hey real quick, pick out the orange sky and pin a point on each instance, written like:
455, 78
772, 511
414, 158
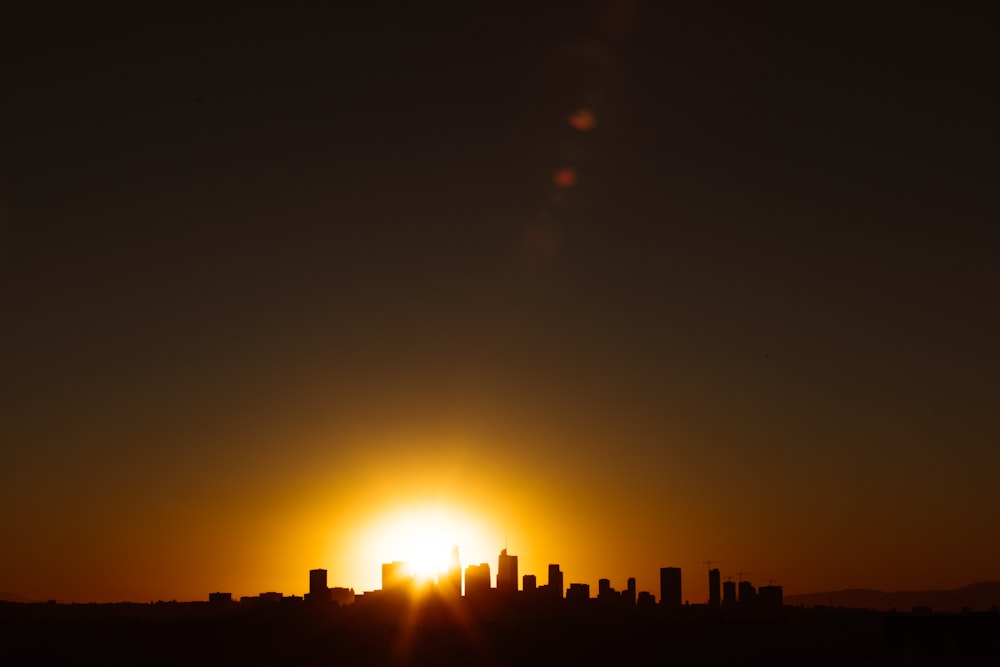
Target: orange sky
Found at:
266, 512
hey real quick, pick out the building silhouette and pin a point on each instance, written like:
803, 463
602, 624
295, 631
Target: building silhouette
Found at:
450, 583
714, 587
555, 586
604, 590
728, 593
670, 587
318, 589
507, 573
578, 593
530, 583
628, 595
771, 596
341, 596
748, 594
477, 581
396, 576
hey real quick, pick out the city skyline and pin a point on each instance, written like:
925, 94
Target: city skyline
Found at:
476, 581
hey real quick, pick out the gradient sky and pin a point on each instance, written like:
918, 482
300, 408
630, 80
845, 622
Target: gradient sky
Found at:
269, 278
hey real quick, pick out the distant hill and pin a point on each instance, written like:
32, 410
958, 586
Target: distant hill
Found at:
11, 597
978, 597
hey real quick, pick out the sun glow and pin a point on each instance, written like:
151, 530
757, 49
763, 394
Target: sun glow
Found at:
424, 537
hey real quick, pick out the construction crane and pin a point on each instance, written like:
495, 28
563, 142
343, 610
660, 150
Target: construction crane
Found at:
740, 574
709, 563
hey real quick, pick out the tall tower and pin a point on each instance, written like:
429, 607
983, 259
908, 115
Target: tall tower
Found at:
714, 587
477, 581
555, 581
451, 583
670, 587
728, 592
507, 573
317, 585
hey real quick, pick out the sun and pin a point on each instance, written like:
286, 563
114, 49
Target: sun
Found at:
425, 537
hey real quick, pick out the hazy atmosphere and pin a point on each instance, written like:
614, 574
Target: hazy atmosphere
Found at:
617, 285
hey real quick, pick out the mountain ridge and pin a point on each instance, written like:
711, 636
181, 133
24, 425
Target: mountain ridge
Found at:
978, 596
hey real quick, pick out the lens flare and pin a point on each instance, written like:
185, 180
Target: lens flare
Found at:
564, 178
583, 120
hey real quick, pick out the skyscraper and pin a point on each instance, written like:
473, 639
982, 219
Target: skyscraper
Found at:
714, 587
748, 594
477, 581
507, 573
451, 583
628, 595
555, 581
395, 576
728, 592
670, 587
318, 589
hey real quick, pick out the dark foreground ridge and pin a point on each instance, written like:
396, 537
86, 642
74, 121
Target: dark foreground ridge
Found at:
438, 630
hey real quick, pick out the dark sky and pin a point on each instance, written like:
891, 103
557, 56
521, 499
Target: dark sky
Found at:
770, 291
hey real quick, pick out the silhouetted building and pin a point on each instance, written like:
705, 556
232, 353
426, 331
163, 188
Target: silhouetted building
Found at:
555, 586
450, 582
477, 580
628, 595
578, 593
530, 583
317, 581
318, 590
270, 596
670, 587
342, 596
714, 587
507, 573
771, 596
645, 600
396, 576
220, 598
748, 594
728, 593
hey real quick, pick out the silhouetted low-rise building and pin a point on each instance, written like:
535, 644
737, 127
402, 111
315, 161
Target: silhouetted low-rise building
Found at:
645, 600
341, 596
770, 596
578, 593
220, 598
